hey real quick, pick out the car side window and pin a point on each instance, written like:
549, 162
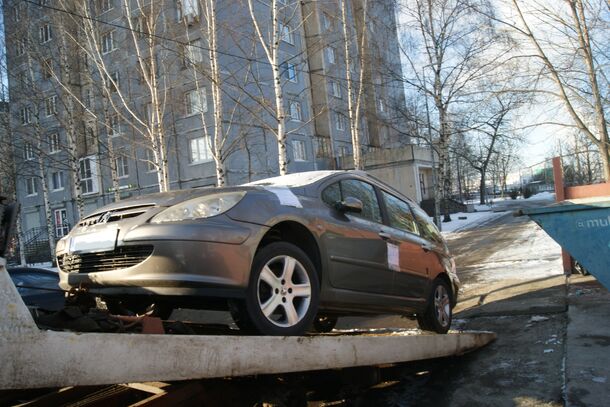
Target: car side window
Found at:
427, 229
332, 194
366, 194
399, 214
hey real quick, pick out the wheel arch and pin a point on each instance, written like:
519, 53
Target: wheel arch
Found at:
445, 277
299, 235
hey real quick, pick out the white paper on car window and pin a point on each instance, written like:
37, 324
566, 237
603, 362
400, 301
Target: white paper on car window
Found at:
393, 257
286, 197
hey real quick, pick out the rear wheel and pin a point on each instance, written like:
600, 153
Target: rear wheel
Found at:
438, 314
282, 296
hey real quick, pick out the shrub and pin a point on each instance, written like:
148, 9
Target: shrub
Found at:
514, 193
527, 192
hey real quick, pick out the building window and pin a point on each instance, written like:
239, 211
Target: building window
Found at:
16, 13
21, 46
54, 146
340, 121
336, 89
327, 21
286, 33
108, 42
193, 53
26, 115
188, 10
113, 81
61, 223
200, 150
330, 55
295, 111
47, 68
88, 98
28, 151
299, 150
381, 105
106, 5
31, 187
87, 175
57, 180
384, 135
114, 127
50, 105
289, 71
196, 102
343, 151
150, 160
122, 166
45, 33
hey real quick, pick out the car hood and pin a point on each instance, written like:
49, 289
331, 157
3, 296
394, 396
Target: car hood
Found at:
165, 199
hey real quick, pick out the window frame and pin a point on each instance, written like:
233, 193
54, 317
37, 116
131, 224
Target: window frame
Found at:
200, 158
190, 105
121, 163
104, 46
30, 184
92, 175
44, 33
50, 106
54, 143
299, 153
57, 183
298, 110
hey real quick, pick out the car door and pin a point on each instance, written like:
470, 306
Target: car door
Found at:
412, 268
435, 249
356, 252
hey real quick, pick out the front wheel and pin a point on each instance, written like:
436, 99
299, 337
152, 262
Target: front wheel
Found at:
282, 296
438, 314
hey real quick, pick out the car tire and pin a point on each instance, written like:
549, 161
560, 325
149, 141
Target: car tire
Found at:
324, 323
438, 314
282, 295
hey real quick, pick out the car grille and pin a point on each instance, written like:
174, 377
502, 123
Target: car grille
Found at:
115, 215
122, 257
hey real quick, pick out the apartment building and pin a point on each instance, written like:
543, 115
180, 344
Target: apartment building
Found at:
83, 106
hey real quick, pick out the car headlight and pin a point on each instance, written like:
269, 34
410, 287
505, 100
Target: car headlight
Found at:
203, 207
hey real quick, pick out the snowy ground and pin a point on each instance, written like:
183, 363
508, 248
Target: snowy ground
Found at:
487, 213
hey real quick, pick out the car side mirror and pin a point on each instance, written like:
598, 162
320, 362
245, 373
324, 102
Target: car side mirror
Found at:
350, 204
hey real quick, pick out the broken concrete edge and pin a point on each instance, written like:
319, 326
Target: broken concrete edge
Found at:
32, 358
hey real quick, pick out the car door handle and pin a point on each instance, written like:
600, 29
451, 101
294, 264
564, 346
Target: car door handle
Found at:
385, 236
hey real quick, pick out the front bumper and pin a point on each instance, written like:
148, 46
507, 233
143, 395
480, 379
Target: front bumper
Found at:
208, 258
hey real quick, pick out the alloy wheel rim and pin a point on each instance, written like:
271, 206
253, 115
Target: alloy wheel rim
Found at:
442, 306
284, 291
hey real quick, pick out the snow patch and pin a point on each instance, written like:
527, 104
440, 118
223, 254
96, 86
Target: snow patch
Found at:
297, 179
542, 196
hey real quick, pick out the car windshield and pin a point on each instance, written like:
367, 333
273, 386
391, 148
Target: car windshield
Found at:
298, 179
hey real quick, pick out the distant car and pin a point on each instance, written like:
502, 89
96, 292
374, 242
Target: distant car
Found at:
38, 287
282, 254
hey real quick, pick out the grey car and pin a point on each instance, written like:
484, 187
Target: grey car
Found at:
284, 255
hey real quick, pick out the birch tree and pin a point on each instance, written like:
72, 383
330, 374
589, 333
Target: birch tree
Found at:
573, 55
456, 44
489, 129
145, 21
270, 42
355, 87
